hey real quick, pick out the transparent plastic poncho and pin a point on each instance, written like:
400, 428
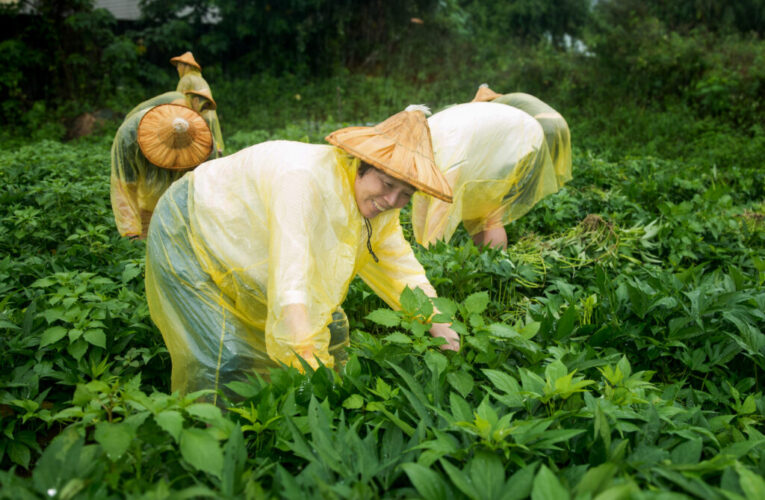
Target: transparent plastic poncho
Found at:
496, 159
556, 130
192, 80
136, 184
241, 238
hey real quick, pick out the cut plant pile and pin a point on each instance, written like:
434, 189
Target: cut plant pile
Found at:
616, 350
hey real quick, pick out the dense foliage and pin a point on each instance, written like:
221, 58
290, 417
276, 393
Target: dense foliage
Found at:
615, 349
59, 58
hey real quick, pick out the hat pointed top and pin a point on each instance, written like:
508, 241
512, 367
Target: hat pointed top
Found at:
204, 93
185, 58
485, 94
401, 147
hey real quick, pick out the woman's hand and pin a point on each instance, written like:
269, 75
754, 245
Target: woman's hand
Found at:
296, 317
444, 331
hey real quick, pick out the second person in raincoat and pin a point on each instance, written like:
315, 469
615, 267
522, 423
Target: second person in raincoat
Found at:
157, 143
497, 161
250, 256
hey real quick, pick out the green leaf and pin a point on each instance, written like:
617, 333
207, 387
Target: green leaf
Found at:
476, 303
547, 487
52, 335
555, 371
460, 479
429, 483
96, 337
530, 329
752, 484
205, 411
461, 410
520, 484
130, 272
77, 349
115, 439
53, 314
384, 317
244, 389
487, 473
596, 479
398, 338
503, 381
170, 421
74, 334
353, 402
8, 325
639, 299
566, 323
436, 362
409, 302
462, 381
19, 454
202, 451
688, 452
531, 382
748, 406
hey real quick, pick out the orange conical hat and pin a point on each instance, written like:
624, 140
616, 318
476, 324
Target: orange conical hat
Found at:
186, 58
203, 93
174, 137
399, 146
485, 94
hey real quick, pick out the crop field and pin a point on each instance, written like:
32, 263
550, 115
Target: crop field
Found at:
614, 351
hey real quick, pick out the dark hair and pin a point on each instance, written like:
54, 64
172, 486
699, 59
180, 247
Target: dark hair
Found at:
364, 168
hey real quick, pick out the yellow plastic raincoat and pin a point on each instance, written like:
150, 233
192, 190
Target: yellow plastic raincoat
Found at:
556, 130
136, 184
496, 160
241, 237
192, 80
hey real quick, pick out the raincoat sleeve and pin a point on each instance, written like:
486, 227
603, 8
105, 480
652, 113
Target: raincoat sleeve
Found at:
397, 266
297, 321
211, 117
124, 189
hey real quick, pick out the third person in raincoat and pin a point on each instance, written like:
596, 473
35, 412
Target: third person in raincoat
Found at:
190, 78
497, 160
249, 257
175, 139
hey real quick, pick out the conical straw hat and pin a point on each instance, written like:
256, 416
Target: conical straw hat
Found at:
174, 137
485, 94
401, 147
205, 94
185, 58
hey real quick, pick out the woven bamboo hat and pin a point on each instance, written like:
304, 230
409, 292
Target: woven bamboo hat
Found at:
205, 94
485, 94
185, 58
174, 137
399, 146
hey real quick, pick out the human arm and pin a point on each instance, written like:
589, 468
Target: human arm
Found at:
398, 268
296, 324
124, 188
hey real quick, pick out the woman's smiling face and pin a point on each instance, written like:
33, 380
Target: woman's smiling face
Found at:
377, 192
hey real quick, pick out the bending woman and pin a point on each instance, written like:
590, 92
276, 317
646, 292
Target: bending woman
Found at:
251, 255
497, 162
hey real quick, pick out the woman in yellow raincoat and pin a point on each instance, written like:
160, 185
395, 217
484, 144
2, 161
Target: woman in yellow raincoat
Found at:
556, 129
250, 256
190, 78
498, 163
139, 177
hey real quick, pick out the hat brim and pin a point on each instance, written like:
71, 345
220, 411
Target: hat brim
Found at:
416, 183
157, 139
